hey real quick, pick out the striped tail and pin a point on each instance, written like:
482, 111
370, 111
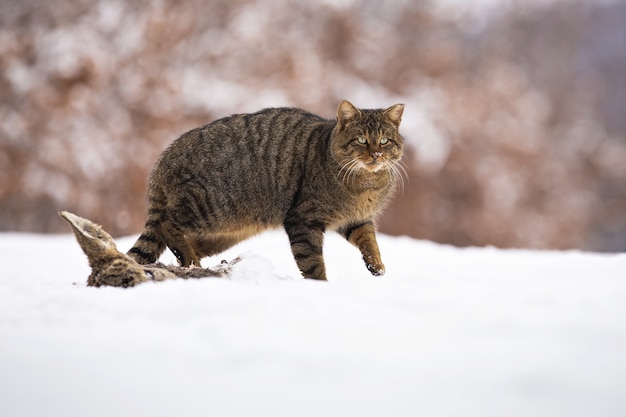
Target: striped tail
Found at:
149, 246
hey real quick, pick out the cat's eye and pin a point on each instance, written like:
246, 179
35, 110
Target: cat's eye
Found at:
361, 140
384, 141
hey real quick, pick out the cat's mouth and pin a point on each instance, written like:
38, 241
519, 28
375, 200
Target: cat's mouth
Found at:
373, 166
352, 167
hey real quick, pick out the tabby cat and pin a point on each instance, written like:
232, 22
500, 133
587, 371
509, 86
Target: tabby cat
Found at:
233, 178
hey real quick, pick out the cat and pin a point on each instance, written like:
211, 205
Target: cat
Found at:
222, 183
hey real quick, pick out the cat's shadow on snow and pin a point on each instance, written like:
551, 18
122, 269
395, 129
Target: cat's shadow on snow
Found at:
111, 267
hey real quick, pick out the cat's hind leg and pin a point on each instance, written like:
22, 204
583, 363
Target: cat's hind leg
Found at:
175, 240
363, 236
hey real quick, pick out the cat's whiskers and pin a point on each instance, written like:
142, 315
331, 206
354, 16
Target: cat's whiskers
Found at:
354, 167
398, 172
402, 165
349, 167
397, 176
342, 168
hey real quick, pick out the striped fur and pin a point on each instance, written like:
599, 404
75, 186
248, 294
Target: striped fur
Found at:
231, 179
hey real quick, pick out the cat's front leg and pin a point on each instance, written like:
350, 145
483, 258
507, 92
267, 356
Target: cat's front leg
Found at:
306, 245
363, 236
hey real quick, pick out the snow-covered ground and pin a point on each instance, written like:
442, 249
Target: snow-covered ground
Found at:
447, 332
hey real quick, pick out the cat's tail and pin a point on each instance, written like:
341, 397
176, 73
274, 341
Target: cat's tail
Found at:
149, 246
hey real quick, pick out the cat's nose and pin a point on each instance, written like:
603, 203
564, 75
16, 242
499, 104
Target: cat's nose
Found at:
376, 154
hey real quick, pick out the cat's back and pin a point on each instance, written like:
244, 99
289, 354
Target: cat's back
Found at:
248, 157
257, 133
280, 136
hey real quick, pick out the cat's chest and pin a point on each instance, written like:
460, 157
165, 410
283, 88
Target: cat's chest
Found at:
337, 203
359, 207
366, 203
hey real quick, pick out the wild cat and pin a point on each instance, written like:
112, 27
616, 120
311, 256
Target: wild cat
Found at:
222, 183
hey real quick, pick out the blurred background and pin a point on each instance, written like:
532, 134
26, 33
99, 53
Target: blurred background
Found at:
515, 111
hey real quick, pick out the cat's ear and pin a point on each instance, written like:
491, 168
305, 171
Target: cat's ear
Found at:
394, 113
345, 112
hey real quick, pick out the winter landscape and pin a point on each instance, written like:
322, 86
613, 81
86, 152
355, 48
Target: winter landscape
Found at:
446, 332
516, 138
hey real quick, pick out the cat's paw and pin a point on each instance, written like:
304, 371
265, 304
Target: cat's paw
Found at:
376, 270
375, 266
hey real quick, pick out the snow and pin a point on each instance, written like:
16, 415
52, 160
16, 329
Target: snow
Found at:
447, 332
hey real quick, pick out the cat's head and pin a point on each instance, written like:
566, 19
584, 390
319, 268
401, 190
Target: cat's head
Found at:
367, 140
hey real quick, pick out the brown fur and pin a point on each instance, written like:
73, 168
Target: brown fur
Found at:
231, 179
111, 267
